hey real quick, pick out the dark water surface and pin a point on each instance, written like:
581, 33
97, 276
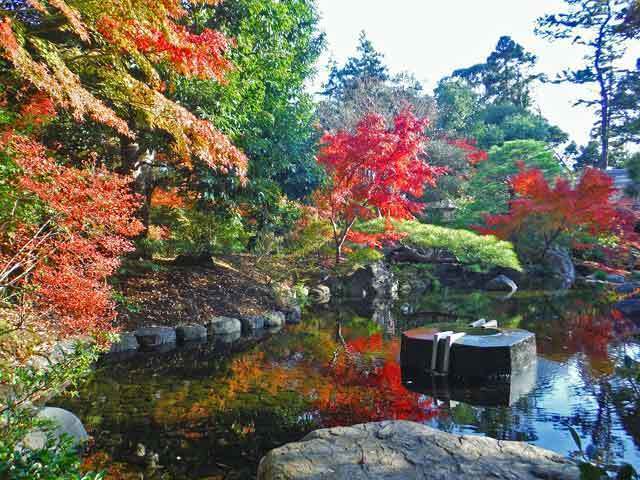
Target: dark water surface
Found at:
212, 411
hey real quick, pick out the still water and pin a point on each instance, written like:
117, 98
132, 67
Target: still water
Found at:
211, 411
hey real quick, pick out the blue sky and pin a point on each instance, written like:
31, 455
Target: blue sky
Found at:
431, 38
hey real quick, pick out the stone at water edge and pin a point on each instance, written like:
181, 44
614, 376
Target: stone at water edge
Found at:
127, 342
224, 326
294, 315
396, 450
191, 333
252, 322
152, 337
274, 319
64, 422
613, 278
502, 283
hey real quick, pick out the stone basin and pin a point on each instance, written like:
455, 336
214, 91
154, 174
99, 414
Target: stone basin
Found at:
480, 353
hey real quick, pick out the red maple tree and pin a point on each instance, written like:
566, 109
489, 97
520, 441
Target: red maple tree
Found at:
547, 212
376, 171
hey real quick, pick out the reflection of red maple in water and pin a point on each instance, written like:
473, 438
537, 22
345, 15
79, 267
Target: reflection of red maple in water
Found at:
367, 386
592, 333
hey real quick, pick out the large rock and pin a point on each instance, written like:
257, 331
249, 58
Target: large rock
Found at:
405, 450
64, 422
224, 326
559, 262
153, 337
373, 281
191, 332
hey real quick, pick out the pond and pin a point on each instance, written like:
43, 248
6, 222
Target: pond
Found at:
211, 411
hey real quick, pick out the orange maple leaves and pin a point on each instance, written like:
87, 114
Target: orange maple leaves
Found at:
88, 215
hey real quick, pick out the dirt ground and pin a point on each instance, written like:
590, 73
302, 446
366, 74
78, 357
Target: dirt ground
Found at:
168, 294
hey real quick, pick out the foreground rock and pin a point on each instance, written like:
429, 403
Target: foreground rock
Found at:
407, 450
63, 422
127, 342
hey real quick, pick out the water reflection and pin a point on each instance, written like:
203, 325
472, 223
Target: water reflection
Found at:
213, 410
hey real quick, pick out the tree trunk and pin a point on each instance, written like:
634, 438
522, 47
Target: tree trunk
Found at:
139, 165
604, 94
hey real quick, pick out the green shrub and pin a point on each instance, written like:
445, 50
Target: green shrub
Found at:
475, 252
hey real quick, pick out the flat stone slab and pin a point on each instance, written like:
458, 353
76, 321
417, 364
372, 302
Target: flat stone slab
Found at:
152, 337
487, 353
224, 326
399, 450
191, 333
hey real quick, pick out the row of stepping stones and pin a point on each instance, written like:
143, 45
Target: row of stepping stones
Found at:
216, 327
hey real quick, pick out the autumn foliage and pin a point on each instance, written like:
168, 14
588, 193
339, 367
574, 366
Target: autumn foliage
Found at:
551, 212
374, 171
61, 263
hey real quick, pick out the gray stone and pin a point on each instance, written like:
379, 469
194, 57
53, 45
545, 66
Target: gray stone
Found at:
320, 294
486, 354
127, 342
152, 337
64, 422
399, 450
224, 326
253, 322
559, 262
294, 315
274, 319
502, 283
191, 333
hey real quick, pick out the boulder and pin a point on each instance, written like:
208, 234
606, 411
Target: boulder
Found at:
274, 319
396, 450
127, 342
64, 422
502, 283
559, 262
320, 294
191, 333
152, 337
294, 315
227, 338
252, 322
373, 281
224, 326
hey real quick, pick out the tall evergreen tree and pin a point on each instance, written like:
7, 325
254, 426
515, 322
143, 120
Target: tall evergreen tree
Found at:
594, 24
368, 65
506, 76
